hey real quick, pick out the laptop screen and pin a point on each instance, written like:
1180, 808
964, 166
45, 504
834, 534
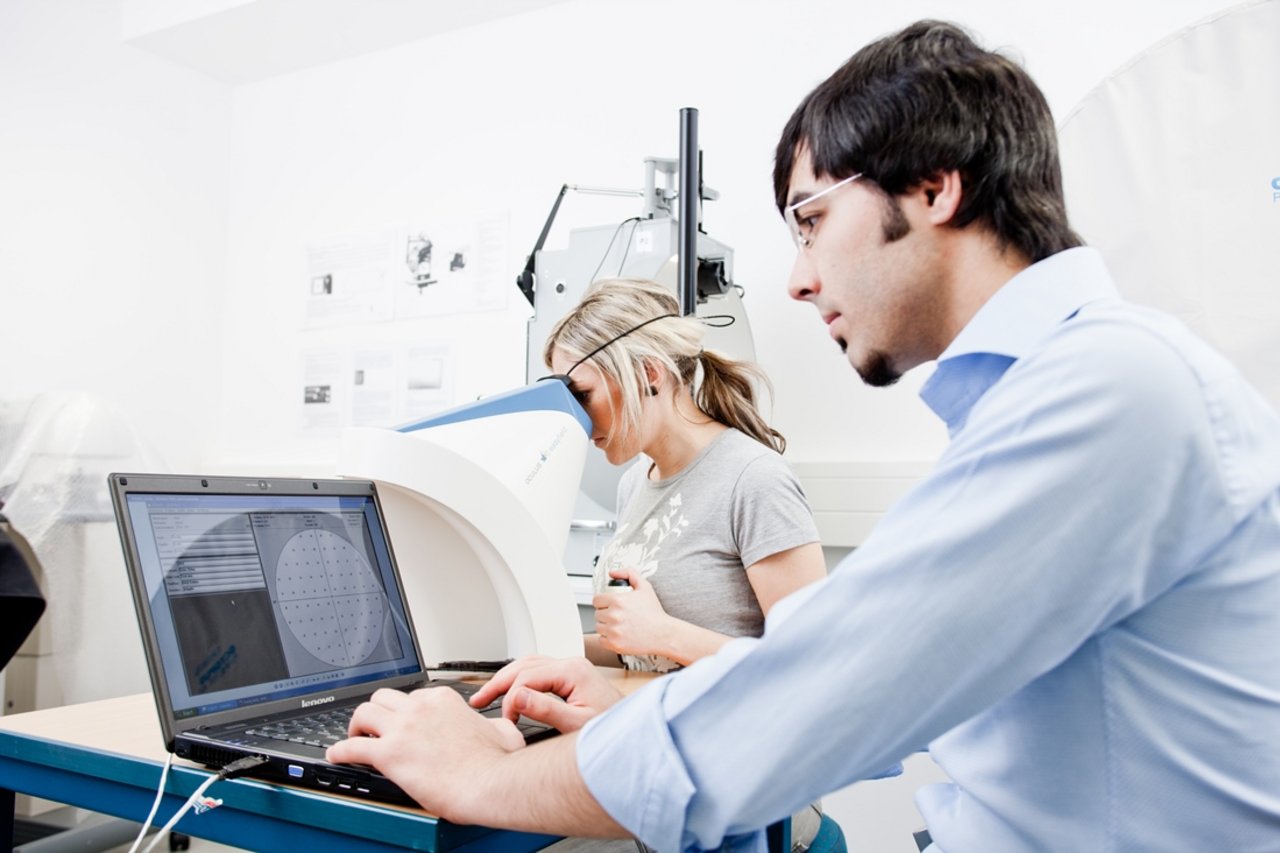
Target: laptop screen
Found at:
256, 598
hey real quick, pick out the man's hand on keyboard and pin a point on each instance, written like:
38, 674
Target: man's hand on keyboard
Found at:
527, 682
419, 740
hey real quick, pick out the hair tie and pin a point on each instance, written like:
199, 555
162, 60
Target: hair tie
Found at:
634, 328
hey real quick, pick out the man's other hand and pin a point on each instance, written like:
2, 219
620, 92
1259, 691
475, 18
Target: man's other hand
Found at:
583, 691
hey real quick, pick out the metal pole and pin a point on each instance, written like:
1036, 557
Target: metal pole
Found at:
690, 189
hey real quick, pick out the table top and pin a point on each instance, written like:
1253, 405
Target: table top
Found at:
128, 724
118, 742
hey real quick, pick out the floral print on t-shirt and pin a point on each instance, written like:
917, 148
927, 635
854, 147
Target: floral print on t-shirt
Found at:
639, 550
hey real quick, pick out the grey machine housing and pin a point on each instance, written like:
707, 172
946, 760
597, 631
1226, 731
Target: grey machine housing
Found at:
646, 247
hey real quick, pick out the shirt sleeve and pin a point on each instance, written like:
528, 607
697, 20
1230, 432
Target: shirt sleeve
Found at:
770, 514
1054, 514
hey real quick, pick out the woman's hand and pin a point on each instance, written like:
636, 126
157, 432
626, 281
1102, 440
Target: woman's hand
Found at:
632, 621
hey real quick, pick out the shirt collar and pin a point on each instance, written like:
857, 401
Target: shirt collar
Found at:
1017, 317
1030, 305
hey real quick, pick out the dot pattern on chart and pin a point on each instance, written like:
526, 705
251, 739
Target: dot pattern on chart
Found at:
330, 597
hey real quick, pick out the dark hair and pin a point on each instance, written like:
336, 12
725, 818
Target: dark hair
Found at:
927, 100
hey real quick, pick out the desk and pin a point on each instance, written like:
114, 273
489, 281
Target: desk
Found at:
107, 756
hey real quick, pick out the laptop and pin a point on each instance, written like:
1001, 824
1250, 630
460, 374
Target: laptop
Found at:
270, 609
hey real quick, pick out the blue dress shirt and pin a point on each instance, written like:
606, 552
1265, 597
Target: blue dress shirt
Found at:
1079, 609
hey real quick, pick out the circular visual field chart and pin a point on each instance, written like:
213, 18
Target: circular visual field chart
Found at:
330, 597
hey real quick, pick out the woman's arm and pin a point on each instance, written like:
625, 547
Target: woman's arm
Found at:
778, 575
635, 623
595, 651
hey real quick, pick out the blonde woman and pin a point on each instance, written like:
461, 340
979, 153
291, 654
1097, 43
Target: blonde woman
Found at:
713, 528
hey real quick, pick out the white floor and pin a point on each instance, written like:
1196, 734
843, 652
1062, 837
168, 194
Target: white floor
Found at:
880, 815
69, 818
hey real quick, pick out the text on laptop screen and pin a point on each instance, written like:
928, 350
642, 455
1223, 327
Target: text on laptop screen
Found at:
258, 598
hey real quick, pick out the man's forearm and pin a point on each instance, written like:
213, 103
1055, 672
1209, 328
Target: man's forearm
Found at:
537, 789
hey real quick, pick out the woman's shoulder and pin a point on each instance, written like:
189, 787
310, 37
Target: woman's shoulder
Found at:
742, 458
737, 445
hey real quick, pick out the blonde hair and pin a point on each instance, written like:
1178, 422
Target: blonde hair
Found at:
614, 308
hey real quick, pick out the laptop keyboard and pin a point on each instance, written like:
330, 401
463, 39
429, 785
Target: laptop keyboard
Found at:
323, 729
327, 727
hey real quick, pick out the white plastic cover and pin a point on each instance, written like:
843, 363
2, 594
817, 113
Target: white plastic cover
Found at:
1172, 170
478, 513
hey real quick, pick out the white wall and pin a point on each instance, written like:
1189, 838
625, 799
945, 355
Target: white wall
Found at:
113, 188
140, 198
498, 116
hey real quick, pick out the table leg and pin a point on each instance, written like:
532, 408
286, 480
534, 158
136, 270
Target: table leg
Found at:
778, 836
7, 801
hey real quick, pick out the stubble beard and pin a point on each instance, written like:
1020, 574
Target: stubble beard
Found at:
877, 372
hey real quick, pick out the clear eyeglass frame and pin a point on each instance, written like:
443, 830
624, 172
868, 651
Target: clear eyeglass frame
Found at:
801, 235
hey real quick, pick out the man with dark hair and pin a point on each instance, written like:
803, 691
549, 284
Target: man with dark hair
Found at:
1078, 609
927, 101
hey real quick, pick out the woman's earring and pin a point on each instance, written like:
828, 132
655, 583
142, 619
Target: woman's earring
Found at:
653, 390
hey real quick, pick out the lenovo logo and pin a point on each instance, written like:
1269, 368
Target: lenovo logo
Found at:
307, 703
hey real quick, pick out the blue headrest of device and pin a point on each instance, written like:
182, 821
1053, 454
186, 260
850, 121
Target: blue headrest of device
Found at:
551, 395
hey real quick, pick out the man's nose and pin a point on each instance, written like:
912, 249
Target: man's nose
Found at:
804, 280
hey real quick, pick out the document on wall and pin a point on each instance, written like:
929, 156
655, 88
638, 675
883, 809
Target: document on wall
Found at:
428, 381
373, 387
369, 384
322, 397
349, 280
455, 266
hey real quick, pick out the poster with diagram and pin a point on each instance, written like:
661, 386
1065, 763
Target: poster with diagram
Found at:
454, 266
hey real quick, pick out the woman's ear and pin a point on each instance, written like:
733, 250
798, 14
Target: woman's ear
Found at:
652, 378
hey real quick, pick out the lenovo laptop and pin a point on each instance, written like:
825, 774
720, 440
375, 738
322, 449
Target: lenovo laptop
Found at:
269, 609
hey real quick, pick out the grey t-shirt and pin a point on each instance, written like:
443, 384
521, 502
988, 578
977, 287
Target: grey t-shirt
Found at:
693, 535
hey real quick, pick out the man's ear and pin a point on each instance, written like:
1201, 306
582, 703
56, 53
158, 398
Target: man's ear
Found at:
941, 194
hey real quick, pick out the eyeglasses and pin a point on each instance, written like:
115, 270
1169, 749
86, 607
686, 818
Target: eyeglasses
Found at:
802, 231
